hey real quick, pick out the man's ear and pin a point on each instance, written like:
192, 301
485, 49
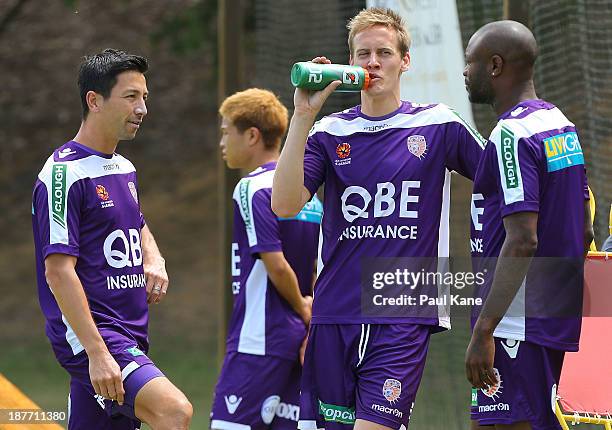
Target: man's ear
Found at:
254, 135
405, 62
94, 101
496, 65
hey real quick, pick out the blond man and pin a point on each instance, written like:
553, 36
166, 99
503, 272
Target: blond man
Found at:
272, 264
385, 166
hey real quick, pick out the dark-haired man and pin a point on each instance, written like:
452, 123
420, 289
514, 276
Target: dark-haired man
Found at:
530, 211
98, 265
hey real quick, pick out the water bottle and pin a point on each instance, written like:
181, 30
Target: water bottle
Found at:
315, 76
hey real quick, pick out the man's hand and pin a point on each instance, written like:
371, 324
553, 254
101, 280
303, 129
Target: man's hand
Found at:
306, 312
479, 360
157, 279
303, 349
309, 103
105, 375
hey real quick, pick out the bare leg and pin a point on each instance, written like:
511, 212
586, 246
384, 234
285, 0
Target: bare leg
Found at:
369, 425
163, 406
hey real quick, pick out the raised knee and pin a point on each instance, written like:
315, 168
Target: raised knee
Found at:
181, 411
171, 413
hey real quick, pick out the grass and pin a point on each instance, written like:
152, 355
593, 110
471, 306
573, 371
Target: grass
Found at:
31, 366
442, 401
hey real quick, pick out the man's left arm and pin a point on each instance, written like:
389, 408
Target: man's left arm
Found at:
464, 147
514, 259
154, 268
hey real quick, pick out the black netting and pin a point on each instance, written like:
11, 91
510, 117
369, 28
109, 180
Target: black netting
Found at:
574, 71
289, 31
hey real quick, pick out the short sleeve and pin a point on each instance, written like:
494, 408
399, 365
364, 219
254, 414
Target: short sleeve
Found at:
57, 206
314, 164
464, 147
265, 234
518, 170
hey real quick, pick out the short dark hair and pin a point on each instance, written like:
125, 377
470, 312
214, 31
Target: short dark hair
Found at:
99, 72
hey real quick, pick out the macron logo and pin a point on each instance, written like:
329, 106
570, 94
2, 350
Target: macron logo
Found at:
66, 152
232, 403
511, 346
518, 111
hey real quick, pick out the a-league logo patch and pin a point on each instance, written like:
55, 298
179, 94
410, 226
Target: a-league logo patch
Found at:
417, 145
343, 150
102, 193
392, 389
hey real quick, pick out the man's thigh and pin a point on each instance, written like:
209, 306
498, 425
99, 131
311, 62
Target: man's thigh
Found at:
249, 391
361, 371
288, 410
89, 410
529, 376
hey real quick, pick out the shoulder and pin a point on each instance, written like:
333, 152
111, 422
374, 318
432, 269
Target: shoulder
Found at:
530, 120
248, 186
62, 168
336, 122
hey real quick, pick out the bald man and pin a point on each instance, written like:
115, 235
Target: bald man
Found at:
531, 225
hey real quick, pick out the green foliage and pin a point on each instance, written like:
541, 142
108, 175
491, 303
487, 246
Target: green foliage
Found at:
192, 29
72, 4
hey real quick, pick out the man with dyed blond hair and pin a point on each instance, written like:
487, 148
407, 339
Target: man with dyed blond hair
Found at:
386, 168
272, 272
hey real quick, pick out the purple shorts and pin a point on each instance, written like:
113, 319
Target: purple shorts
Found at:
361, 371
255, 393
529, 376
87, 410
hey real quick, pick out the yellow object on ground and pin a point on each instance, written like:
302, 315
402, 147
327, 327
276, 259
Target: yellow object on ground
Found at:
13, 400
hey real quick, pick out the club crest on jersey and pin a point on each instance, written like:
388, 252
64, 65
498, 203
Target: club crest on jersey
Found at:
133, 191
417, 145
343, 150
494, 390
104, 196
392, 389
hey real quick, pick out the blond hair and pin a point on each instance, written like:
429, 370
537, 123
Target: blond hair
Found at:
260, 109
379, 16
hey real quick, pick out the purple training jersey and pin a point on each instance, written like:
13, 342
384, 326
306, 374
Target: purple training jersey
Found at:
85, 204
387, 194
534, 163
262, 322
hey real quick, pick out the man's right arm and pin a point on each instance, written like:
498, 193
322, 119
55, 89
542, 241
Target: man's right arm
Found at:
66, 286
285, 281
289, 195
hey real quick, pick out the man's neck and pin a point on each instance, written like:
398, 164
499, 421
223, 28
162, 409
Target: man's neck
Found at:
516, 95
261, 159
92, 137
381, 105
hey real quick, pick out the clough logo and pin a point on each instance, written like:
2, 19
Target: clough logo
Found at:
58, 199
120, 258
384, 201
